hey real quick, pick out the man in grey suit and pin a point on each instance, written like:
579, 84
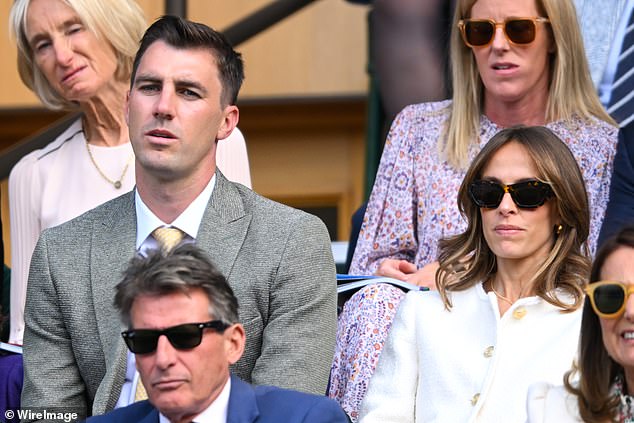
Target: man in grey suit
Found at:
278, 261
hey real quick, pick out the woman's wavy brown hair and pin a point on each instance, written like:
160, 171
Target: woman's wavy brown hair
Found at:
466, 259
595, 369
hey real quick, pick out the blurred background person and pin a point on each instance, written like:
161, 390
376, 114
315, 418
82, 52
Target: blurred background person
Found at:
608, 37
510, 288
410, 38
505, 71
77, 55
600, 387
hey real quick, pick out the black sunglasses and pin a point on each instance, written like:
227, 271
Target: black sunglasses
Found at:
480, 32
182, 337
527, 195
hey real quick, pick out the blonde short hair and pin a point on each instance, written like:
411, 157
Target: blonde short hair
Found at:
571, 91
119, 22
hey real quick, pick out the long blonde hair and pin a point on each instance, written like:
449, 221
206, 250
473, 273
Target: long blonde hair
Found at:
571, 91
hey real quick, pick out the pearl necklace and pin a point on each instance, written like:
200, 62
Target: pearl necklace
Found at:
117, 183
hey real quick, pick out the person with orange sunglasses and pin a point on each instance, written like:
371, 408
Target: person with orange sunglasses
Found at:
513, 62
600, 386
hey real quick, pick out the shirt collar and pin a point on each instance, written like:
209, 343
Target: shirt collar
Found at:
188, 221
217, 410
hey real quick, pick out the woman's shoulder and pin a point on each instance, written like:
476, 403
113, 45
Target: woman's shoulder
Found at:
27, 163
421, 302
419, 125
431, 302
434, 109
585, 129
69, 134
74, 132
549, 403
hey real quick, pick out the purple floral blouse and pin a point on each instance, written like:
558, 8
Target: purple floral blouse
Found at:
414, 199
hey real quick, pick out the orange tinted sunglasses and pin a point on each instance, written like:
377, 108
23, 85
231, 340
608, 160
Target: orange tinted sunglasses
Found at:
608, 298
480, 32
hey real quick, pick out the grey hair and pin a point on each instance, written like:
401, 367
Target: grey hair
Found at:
183, 269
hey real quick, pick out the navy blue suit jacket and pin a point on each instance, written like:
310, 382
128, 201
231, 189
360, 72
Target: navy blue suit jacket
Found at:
620, 210
248, 404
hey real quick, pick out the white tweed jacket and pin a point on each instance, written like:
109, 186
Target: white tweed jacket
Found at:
468, 364
551, 404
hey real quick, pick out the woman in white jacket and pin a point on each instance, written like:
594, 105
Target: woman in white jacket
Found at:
507, 311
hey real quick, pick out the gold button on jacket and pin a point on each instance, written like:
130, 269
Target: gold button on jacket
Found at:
519, 313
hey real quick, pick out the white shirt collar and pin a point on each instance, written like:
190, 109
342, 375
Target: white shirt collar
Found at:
188, 221
215, 413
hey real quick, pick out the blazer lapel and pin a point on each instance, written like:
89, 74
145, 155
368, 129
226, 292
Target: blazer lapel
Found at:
113, 245
224, 225
243, 407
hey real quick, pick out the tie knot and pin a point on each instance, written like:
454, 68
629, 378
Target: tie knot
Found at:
168, 237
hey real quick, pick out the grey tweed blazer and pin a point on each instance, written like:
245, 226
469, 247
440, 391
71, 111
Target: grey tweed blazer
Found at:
277, 260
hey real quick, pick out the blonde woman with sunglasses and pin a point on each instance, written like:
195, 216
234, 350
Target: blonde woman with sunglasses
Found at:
513, 62
510, 288
600, 387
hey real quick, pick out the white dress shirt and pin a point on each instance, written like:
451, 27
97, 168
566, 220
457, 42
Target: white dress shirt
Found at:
146, 221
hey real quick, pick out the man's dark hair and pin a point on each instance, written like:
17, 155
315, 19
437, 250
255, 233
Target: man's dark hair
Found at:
184, 269
183, 34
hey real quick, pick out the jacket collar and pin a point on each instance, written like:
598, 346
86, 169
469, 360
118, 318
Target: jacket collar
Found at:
243, 406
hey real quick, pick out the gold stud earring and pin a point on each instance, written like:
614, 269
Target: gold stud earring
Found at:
559, 229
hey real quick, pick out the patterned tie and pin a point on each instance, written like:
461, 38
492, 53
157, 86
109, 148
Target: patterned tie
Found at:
621, 105
140, 394
168, 237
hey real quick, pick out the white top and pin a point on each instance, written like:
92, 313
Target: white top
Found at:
551, 404
215, 413
468, 364
50, 186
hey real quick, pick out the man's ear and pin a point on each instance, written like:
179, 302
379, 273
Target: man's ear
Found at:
229, 122
235, 339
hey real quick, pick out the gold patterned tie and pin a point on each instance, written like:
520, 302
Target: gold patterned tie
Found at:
140, 394
168, 237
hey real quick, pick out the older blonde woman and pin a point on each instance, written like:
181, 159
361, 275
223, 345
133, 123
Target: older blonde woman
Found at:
77, 55
513, 62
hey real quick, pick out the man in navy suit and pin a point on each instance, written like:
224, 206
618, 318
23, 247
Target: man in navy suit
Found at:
620, 210
183, 325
